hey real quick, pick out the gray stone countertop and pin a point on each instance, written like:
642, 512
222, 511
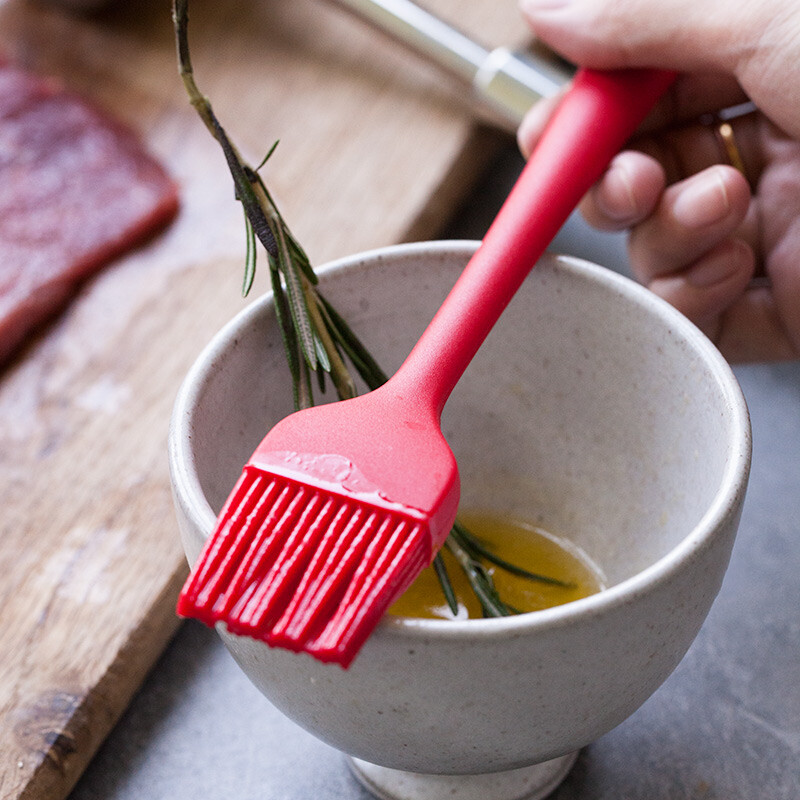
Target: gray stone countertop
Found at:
725, 725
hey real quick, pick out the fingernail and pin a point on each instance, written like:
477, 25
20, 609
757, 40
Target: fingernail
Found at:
527, 132
532, 125
533, 7
618, 199
703, 201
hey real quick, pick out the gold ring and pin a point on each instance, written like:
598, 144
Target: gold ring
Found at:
728, 141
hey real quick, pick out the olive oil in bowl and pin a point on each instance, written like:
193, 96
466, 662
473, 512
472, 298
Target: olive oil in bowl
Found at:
519, 543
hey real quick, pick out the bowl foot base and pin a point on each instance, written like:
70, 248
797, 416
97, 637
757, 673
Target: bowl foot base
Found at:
527, 783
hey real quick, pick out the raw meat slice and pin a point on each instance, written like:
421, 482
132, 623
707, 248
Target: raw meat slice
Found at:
76, 189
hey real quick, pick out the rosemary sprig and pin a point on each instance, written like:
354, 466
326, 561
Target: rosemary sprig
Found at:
316, 339
306, 339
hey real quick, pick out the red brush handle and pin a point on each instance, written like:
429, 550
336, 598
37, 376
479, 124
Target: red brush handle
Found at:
592, 123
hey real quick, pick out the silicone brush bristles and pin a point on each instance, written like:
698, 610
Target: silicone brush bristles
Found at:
303, 569
395, 562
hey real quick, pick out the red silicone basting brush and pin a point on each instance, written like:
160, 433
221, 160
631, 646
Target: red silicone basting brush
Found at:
342, 505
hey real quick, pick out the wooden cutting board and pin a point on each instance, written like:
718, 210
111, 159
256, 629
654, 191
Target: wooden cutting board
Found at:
375, 149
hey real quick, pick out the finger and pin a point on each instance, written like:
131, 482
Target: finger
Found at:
693, 95
753, 329
757, 43
688, 149
691, 218
707, 288
628, 192
535, 121
676, 34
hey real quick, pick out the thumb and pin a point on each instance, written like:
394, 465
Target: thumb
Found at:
758, 44
687, 35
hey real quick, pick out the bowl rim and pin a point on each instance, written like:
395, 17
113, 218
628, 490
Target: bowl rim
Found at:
725, 504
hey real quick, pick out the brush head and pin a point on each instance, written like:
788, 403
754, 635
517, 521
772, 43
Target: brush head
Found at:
337, 511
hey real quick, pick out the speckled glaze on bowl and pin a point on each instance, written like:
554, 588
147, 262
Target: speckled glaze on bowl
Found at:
593, 409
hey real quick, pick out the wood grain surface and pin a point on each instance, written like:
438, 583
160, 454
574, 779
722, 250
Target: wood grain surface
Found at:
375, 148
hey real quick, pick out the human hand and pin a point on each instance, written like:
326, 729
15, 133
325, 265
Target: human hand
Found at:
701, 228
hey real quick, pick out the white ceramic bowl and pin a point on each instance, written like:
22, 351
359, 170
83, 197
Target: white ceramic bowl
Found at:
594, 409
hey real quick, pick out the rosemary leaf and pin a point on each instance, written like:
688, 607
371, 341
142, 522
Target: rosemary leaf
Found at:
250, 258
297, 302
321, 382
305, 391
322, 356
365, 364
480, 580
331, 360
288, 336
444, 581
302, 260
298, 255
268, 155
245, 192
478, 548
